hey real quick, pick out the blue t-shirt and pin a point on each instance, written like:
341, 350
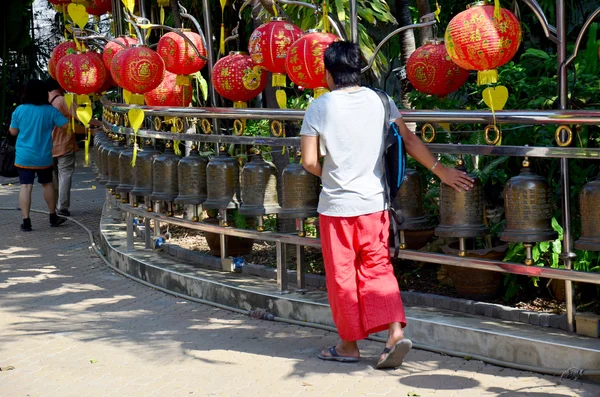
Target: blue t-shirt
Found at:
34, 142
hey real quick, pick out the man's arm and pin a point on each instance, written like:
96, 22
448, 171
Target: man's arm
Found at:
310, 154
13, 131
417, 150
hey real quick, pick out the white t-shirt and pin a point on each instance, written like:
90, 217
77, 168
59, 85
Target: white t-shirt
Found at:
349, 125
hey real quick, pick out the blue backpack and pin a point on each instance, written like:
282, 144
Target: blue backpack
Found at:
394, 153
394, 159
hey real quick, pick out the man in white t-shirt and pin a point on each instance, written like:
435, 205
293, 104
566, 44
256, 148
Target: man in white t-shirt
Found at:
345, 127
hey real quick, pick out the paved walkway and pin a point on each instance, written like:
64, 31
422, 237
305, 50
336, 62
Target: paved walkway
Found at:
71, 327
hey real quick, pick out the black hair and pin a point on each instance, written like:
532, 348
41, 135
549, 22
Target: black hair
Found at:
35, 93
53, 84
342, 61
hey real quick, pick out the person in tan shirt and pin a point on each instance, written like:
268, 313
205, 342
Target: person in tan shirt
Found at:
64, 147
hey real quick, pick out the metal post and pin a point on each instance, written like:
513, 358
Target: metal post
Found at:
354, 21
117, 17
282, 276
223, 238
209, 50
130, 225
156, 223
147, 236
300, 269
567, 255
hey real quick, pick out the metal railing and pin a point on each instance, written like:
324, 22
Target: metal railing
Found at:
282, 240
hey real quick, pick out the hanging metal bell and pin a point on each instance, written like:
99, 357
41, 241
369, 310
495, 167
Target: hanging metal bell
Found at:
409, 202
222, 183
112, 160
164, 176
461, 213
125, 170
192, 179
99, 138
142, 172
103, 156
589, 203
528, 208
259, 188
299, 193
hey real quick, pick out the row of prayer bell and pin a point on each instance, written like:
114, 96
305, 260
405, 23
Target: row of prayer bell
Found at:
216, 184
528, 210
195, 180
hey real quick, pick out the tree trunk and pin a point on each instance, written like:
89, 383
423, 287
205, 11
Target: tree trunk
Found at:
424, 33
176, 16
407, 45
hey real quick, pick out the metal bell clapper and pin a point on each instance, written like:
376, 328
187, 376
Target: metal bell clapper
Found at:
461, 213
528, 209
259, 190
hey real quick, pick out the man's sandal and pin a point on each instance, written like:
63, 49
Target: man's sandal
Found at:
334, 356
394, 356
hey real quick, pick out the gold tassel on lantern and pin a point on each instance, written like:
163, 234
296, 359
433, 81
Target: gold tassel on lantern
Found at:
222, 40
162, 4
325, 18
320, 91
487, 76
497, 13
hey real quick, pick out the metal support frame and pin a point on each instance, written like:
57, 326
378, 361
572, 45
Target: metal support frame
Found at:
129, 220
562, 116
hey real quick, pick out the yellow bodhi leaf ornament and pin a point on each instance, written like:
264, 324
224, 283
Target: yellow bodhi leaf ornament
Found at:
78, 14
84, 114
495, 97
136, 118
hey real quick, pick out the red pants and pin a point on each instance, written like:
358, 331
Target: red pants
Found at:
363, 291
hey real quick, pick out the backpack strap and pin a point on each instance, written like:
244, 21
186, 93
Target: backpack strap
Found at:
394, 220
54, 98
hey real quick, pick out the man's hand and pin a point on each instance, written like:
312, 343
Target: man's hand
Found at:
454, 178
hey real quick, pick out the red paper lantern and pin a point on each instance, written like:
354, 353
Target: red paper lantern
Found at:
304, 62
168, 93
430, 70
59, 51
477, 40
179, 56
269, 43
138, 69
237, 78
108, 81
81, 74
98, 7
107, 85
113, 47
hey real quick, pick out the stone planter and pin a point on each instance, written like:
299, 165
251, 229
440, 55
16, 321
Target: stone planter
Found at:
236, 246
474, 283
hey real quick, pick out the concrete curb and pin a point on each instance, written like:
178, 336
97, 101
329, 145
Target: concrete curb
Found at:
492, 310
